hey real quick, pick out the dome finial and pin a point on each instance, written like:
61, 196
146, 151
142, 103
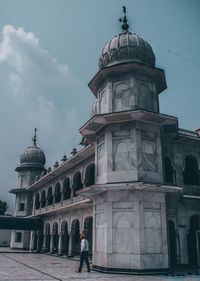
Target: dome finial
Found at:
34, 139
125, 25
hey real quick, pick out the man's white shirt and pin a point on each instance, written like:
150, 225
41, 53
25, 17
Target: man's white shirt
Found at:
84, 245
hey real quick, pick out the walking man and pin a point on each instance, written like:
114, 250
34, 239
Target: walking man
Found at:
84, 253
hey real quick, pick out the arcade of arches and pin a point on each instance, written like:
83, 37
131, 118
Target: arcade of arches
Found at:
193, 242
51, 195
62, 242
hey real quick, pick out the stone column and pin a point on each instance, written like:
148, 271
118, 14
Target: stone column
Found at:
51, 243
60, 244
12, 241
70, 249
32, 238
44, 243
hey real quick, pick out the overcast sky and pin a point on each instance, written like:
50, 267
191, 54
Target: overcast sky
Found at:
49, 52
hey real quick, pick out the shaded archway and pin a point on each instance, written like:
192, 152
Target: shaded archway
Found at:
88, 232
50, 196
37, 201
57, 193
172, 243
66, 189
90, 175
43, 199
193, 251
65, 238
55, 237
191, 172
77, 183
168, 170
47, 236
75, 232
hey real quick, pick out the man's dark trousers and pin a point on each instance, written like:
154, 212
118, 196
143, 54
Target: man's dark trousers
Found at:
84, 257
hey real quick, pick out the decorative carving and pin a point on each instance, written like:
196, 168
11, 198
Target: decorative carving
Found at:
123, 157
149, 151
123, 100
100, 157
128, 47
103, 107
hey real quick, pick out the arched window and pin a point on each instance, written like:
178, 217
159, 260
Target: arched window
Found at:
57, 193
50, 196
77, 183
168, 170
43, 199
90, 175
37, 201
66, 189
191, 173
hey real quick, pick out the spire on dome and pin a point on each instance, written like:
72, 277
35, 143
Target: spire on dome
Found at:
125, 25
34, 139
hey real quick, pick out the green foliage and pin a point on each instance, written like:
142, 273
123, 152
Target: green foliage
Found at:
3, 207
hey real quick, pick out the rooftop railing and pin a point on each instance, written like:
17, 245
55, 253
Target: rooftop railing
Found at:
188, 133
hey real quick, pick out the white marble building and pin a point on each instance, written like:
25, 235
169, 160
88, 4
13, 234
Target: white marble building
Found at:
134, 188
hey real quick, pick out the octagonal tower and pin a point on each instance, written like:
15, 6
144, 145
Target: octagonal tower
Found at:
129, 200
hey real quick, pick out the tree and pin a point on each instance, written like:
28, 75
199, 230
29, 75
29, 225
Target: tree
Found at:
3, 207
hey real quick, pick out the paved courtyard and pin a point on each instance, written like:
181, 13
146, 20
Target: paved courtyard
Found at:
32, 267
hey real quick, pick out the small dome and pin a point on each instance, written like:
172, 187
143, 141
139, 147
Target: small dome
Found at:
33, 156
126, 47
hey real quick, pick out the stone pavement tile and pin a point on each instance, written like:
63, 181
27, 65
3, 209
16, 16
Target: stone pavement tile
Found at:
39, 267
12, 270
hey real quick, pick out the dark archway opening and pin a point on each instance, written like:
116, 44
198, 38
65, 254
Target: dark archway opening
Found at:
66, 189
172, 243
43, 199
88, 232
48, 237
191, 172
57, 193
49, 196
168, 170
55, 237
90, 175
77, 183
75, 231
192, 240
37, 201
65, 238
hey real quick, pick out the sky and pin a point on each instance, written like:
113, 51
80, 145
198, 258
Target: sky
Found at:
49, 52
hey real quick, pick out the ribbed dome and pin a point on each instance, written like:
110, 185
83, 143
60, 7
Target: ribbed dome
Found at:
33, 156
126, 47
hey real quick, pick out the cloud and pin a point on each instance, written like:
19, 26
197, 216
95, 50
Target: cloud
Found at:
32, 69
34, 93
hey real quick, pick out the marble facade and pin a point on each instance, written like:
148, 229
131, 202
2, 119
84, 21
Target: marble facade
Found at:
134, 188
